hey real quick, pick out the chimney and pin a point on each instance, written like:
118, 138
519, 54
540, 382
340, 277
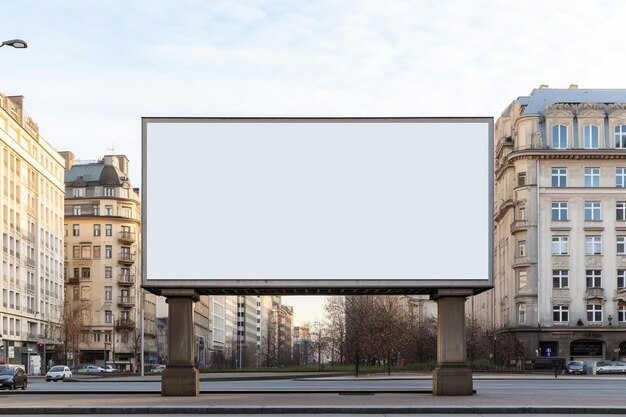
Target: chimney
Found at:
573, 87
69, 159
543, 86
17, 107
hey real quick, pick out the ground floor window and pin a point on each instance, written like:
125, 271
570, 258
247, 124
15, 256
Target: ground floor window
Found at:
583, 347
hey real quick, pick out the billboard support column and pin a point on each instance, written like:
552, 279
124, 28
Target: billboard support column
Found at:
180, 378
451, 375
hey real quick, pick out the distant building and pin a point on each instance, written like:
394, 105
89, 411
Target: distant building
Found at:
560, 224
102, 266
284, 317
31, 222
303, 353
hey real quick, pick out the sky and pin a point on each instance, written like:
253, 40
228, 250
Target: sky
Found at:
94, 68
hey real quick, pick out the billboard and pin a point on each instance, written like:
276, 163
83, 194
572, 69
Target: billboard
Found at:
316, 205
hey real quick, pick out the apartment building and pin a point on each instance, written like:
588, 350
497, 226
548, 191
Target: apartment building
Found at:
102, 266
560, 224
31, 223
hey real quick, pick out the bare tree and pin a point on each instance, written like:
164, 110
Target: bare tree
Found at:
69, 333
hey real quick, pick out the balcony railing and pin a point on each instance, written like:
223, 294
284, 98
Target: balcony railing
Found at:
124, 279
126, 258
125, 324
126, 301
127, 236
518, 225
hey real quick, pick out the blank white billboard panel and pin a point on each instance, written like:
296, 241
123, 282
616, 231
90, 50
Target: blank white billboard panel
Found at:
316, 202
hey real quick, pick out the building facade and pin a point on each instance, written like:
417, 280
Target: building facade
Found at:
31, 222
560, 224
102, 266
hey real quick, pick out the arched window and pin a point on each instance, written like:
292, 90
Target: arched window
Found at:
559, 137
620, 137
590, 133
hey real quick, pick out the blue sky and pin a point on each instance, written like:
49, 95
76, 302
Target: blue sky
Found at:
93, 68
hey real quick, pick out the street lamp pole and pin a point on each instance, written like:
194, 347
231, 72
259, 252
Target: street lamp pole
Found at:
15, 43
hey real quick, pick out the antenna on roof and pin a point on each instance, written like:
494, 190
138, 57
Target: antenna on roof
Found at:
112, 149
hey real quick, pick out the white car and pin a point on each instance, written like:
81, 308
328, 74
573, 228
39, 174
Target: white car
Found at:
58, 373
612, 367
88, 369
109, 369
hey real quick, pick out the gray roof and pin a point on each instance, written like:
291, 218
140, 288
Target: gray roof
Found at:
89, 172
541, 98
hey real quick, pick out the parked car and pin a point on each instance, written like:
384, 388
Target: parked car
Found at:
576, 367
158, 368
88, 369
12, 378
610, 367
58, 373
109, 369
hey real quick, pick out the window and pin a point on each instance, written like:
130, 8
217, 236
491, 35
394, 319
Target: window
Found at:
620, 177
108, 272
620, 137
621, 245
96, 230
560, 314
108, 251
521, 249
620, 210
109, 192
559, 211
96, 336
559, 177
86, 273
593, 245
85, 252
76, 230
96, 252
621, 314
108, 229
76, 252
96, 210
109, 210
77, 210
76, 272
75, 293
592, 177
108, 293
522, 279
108, 316
560, 245
594, 312
521, 213
521, 179
78, 192
521, 313
621, 278
590, 133
592, 211
559, 137
594, 278
560, 278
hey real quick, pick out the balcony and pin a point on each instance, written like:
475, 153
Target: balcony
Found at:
126, 280
127, 237
126, 301
124, 324
594, 293
519, 225
126, 258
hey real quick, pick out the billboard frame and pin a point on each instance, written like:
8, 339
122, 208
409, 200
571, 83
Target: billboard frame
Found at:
318, 286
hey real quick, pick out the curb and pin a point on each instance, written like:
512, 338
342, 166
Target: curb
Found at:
309, 410
223, 392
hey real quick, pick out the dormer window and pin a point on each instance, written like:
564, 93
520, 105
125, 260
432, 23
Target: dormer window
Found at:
109, 191
78, 192
620, 137
590, 133
559, 137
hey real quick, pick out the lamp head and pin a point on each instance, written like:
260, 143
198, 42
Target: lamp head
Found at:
16, 43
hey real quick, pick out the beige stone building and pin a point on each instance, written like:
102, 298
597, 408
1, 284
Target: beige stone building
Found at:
102, 266
31, 223
560, 224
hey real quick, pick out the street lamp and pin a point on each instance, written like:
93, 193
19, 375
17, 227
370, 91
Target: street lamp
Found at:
16, 43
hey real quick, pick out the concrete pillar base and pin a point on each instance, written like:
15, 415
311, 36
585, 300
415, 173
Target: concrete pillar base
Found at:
452, 380
180, 381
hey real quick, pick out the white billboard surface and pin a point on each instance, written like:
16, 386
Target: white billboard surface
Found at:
290, 200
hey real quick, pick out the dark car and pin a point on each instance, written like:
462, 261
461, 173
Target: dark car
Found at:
576, 367
12, 378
